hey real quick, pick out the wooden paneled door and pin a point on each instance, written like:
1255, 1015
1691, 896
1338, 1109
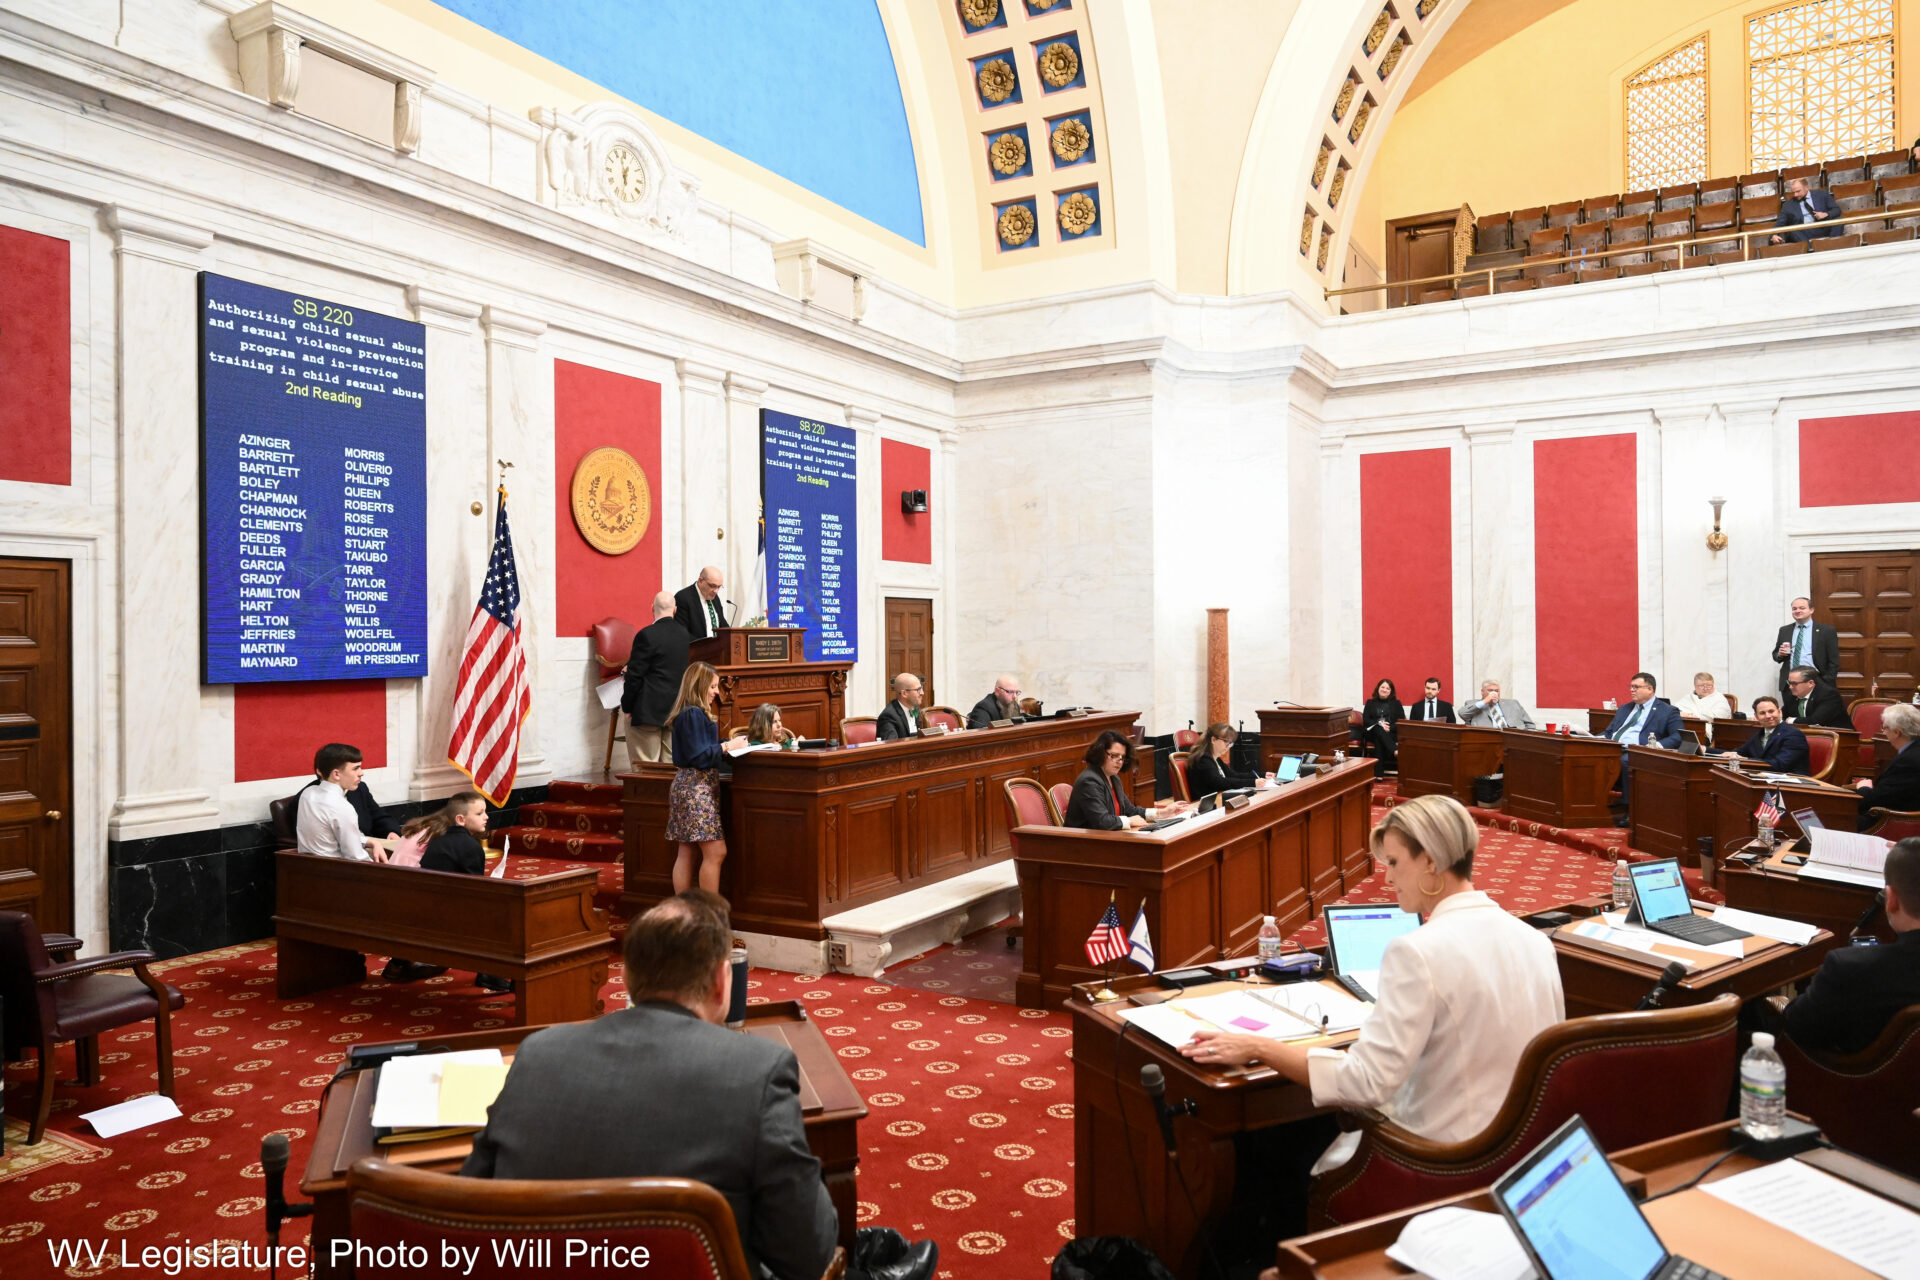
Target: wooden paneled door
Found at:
1868, 596
1418, 247
36, 763
910, 643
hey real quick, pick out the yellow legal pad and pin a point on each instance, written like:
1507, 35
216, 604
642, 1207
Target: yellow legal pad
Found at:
467, 1089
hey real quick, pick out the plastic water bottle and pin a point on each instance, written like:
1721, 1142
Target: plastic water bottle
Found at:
1622, 886
1269, 938
1763, 1089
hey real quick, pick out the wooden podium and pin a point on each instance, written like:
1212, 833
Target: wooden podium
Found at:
769, 664
1294, 731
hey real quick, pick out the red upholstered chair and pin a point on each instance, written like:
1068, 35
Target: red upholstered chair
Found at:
48, 1003
1030, 805
1865, 714
1733, 702
947, 716
1356, 741
1822, 746
686, 1227
856, 730
1177, 767
612, 646
1597, 1067
1864, 1100
1892, 824
1060, 793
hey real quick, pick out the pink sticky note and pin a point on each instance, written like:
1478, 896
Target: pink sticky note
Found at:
1249, 1023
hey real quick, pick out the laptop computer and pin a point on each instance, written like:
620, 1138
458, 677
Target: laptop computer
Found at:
1288, 770
1689, 743
1661, 897
1577, 1222
1357, 937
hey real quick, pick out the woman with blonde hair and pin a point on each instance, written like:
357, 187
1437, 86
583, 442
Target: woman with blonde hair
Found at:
693, 802
1457, 1002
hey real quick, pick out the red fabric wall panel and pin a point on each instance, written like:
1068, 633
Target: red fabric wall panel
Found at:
1586, 567
36, 430
278, 727
595, 409
902, 536
1406, 571
1854, 461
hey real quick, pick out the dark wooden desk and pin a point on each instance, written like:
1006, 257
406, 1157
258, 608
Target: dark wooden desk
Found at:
1295, 731
1737, 793
1598, 980
1559, 780
1206, 883
1119, 1159
1672, 802
1690, 1223
1775, 889
543, 933
1443, 759
769, 664
813, 833
831, 1109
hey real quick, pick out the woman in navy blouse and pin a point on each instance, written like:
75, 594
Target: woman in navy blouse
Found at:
693, 803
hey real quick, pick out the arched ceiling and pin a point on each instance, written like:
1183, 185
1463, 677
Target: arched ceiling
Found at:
1484, 24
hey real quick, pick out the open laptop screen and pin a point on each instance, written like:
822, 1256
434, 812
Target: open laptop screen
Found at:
1575, 1218
1661, 892
1289, 768
1358, 935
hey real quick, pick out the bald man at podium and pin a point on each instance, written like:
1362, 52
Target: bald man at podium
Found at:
699, 606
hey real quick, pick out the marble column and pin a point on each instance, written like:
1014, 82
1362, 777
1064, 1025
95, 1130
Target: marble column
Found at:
1692, 579
867, 682
743, 399
1341, 680
1499, 525
458, 541
1750, 477
706, 533
159, 620
1219, 691
520, 430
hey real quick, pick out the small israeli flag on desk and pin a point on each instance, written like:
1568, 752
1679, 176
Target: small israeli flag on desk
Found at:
1139, 941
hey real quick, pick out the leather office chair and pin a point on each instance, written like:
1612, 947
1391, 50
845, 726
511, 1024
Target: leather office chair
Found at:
1864, 1101
1177, 768
1823, 746
1892, 824
48, 1003
856, 730
1597, 1067
946, 716
1060, 793
612, 646
686, 1227
284, 815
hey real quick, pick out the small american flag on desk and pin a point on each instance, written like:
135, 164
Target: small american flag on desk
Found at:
491, 698
1108, 941
1769, 810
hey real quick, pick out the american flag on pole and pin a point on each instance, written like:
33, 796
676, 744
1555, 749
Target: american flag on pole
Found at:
1108, 941
491, 698
1769, 810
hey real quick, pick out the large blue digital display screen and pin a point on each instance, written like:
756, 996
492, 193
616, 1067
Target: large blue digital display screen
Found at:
313, 488
810, 497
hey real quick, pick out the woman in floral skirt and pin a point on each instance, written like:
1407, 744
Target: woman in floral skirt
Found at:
693, 804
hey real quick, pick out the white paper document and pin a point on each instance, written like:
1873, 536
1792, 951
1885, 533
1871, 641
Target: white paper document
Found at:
135, 1113
1848, 849
1834, 1214
1634, 938
1767, 926
745, 746
610, 691
1461, 1244
408, 1095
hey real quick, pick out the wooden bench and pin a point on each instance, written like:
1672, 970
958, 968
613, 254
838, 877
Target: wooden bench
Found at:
543, 933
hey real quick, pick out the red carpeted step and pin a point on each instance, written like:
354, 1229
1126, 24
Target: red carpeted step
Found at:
578, 791
572, 819
580, 846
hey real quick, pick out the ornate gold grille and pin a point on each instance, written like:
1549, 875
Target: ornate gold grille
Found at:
1667, 119
1819, 81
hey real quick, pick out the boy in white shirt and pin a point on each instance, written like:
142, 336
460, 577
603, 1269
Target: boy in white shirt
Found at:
327, 823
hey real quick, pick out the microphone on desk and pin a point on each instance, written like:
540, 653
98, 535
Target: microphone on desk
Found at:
1879, 901
1154, 1081
1668, 976
273, 1162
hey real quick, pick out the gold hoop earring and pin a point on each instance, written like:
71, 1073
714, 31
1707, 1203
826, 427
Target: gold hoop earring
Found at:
1433, 892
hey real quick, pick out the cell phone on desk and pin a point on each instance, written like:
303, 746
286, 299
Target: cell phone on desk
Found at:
1795, 860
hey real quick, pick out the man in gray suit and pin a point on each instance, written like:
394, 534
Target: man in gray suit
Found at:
1490, 710
662, 1089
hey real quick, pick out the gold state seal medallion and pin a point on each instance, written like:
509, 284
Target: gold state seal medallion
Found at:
612, 504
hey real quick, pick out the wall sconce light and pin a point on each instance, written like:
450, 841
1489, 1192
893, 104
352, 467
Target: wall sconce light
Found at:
1716, 541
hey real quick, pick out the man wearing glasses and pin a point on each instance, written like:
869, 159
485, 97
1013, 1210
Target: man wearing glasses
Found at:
1002, 704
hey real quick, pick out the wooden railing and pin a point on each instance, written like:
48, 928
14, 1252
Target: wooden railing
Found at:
1644, 248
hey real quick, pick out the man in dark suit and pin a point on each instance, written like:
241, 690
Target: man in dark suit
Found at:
1859, 989
1002, 704
1779, 747
1645, 719
1806, 209
698, 605
1431, 706
1898, 786
663, 1089
901, 717
1806, 643
654, 669
1811, 702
